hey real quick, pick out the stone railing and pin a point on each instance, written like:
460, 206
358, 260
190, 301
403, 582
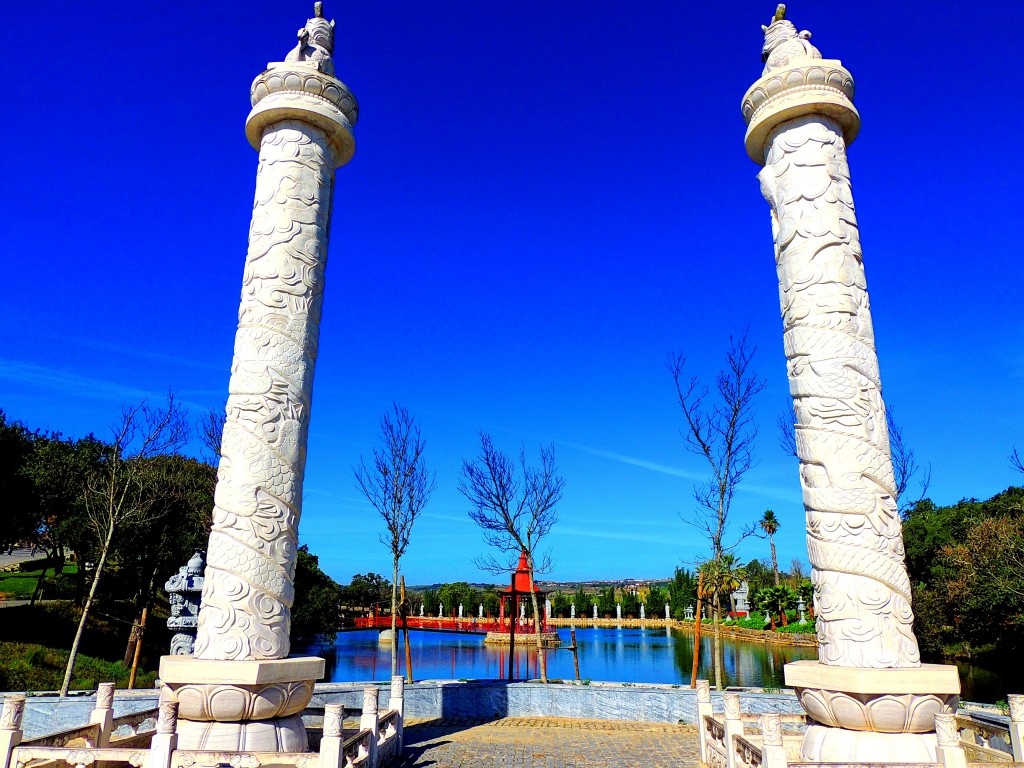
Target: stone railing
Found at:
962, 739
990, 739
108, 742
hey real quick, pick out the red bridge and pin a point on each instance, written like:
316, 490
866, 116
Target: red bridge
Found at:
470, 626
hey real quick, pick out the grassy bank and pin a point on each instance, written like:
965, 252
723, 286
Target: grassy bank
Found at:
34, 642
32, 667
19, 585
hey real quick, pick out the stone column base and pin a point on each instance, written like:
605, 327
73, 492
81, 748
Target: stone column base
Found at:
240, 705
279, 734
872, 715
837, 745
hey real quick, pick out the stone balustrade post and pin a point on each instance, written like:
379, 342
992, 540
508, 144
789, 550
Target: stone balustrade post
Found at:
10, 727
397, 704
870, 696
165, 740
733, 726
773, 752
103, 714
368, 721
703, 710
1016, 702
948, 750
332, 743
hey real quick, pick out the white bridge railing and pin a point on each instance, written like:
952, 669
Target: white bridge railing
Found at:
963, 739
126, 741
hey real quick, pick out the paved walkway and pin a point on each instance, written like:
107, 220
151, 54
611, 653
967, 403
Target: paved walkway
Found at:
18, 555
548, 742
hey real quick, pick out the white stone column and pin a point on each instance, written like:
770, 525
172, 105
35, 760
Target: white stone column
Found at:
240, 691
868, 685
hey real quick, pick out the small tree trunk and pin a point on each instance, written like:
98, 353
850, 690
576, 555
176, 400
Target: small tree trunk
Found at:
394, 619
542, 662
696, 639
85, 610
775, 561
135, 636
405, 633
38, 591
138, 648
718, 640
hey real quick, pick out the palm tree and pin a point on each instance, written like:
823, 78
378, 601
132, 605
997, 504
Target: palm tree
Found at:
732, 579
720, 575
770, 525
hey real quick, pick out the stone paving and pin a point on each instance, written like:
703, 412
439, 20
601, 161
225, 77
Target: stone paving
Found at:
548, 742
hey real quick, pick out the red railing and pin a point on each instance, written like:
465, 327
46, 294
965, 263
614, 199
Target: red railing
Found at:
446, 624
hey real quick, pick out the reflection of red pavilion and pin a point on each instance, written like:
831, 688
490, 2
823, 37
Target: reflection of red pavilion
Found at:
518, 595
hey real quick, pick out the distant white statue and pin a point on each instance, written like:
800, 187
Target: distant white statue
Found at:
460, 610
572, 610
481, 610
595, 611
440, 610
547, 609
618, 611
668, 612
643, 615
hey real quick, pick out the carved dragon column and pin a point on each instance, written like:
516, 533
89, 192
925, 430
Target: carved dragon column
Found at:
240, 691
869, 694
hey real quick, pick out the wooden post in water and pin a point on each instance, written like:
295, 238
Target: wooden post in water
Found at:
405, 633
696, 637
513, 613
575, 655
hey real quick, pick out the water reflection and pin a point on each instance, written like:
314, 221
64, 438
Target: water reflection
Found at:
613, 655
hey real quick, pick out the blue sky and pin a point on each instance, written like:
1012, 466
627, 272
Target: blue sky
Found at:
546, 199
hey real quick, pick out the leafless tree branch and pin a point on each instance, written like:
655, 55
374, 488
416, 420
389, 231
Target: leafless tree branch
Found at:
723, 433
515, 509
120, 491
398, 486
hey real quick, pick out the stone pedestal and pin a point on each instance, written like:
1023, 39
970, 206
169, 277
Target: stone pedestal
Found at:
869, 692
240, 691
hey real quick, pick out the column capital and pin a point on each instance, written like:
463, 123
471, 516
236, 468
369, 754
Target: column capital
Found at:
297, 90
818, 87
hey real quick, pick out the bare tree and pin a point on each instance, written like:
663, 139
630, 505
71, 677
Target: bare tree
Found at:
904, 462
397, 486
116, 493
1016, 463
515, 509
723, 433
210, 430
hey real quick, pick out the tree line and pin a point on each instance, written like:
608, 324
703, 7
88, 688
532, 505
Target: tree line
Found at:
130, 509
966, 564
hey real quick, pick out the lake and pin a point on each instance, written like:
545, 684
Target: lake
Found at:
627, 655
612, 655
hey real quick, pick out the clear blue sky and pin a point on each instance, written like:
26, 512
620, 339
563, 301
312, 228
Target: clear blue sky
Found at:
546, 199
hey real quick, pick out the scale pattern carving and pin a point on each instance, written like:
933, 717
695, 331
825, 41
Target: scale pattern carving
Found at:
248, 592
861, 589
